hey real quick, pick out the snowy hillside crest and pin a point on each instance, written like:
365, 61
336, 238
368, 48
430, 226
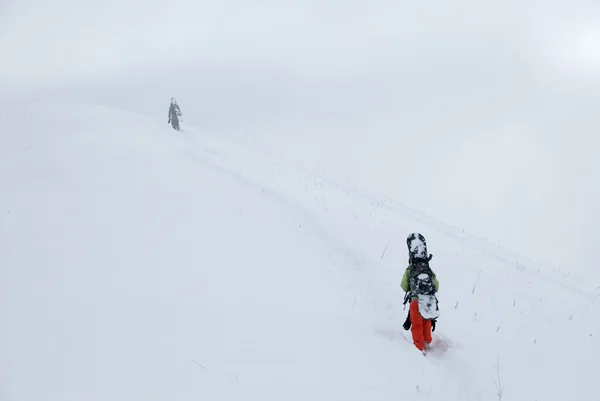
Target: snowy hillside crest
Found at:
143, 263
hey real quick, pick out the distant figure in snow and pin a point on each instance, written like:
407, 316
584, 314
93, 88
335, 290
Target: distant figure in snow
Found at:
174, 114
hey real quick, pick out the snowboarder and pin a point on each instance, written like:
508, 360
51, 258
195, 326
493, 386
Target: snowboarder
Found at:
420, 284
174, 114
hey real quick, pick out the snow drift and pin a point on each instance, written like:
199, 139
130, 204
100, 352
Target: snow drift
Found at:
140, 263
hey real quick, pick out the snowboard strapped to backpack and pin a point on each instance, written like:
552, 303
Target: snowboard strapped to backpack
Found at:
421, 278
422, 287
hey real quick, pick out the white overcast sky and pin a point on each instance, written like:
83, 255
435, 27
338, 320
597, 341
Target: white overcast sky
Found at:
495, 102
44, 40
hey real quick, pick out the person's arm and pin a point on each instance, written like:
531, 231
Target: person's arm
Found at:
404, 283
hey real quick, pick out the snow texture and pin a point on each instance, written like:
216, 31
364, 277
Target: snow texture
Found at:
140, 263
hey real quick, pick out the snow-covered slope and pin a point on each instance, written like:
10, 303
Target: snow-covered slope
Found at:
140, 263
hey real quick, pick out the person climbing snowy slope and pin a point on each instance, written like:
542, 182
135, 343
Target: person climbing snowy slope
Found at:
174, 114
420, 284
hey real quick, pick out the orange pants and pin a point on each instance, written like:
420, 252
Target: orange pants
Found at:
420, 328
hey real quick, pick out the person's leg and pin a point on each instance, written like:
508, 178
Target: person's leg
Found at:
427, 331
417, 326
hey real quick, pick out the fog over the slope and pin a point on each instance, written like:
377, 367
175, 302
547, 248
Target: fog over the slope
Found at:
485, 116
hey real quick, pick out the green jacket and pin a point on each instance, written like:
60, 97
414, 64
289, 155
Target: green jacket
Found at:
404, 284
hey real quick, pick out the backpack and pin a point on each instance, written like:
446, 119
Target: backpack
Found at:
421, 284
420, 279
422, 289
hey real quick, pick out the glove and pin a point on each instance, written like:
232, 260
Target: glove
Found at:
407, 323
433, 322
